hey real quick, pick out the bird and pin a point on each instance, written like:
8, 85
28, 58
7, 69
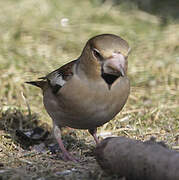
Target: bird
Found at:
89, 91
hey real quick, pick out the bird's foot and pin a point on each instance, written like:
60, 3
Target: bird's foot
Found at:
68, 157
96, 139
93, 133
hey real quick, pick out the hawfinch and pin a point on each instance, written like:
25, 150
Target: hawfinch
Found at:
89, 91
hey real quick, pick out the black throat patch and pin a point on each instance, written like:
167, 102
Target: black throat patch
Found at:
109, 79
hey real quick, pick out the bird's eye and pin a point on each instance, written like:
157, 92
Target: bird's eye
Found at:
97, 54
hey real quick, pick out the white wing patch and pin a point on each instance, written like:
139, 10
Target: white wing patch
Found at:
57, 79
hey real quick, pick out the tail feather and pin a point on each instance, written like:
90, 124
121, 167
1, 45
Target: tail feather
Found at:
40, 84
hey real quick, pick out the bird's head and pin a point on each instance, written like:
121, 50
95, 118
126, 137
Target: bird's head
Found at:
106, 56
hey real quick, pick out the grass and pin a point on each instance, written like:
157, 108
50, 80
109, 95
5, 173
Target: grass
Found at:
39, 36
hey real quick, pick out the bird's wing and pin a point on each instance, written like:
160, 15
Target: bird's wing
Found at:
57, 78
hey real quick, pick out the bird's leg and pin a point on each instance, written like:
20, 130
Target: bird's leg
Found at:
66, 155
93, 133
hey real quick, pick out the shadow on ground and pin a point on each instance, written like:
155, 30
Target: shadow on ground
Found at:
26, 151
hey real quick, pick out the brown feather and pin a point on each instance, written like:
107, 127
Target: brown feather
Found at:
65, 71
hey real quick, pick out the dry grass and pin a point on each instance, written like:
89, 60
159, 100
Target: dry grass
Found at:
36, 39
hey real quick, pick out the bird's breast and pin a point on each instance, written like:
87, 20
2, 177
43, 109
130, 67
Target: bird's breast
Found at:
83, 105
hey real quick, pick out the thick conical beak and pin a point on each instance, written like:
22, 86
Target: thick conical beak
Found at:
115, 65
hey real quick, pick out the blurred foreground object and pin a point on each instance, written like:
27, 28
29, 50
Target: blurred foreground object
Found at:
137, 160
